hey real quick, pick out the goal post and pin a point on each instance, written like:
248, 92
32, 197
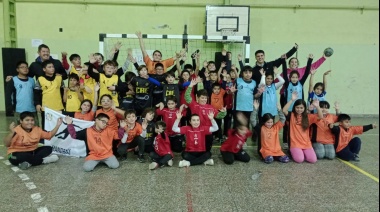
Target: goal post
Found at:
170, 44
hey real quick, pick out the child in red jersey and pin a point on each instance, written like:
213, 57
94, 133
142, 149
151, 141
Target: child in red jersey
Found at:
269, 147
347, 146
169, 116
195, 152
201, 108
232, 148
162, 154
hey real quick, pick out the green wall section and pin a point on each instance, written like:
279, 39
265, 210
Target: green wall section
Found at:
352, 33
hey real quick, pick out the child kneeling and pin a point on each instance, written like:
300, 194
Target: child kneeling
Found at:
162, 154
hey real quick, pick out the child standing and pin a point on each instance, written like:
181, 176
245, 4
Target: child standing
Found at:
23, 140
196, 152
47, 92
269, 147
346, 145
72, 96
20, 89
169, 116
99, 140
232, 148
319, 89
162, 154
299, 123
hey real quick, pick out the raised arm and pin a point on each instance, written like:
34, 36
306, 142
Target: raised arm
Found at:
307, 71
96, 96
325, 79
311, 83
188, 97
175, 127
253, 118
142, 45
288, 104
8, 138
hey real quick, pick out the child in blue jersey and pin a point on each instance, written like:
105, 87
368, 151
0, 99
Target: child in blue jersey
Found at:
19, 91
244, 94
318, 91
268, 98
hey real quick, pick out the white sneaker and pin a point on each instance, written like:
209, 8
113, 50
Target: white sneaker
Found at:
153, 165
24, 165
209, 162
50, 159
285, 146
183, 163
170, 162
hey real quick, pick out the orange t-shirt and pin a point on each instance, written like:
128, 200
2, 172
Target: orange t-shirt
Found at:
299, 138
324, 135
113, 122
87, 116
132, 133
270, 143
345, 136
100, 142
24, 141
217, 99
150, 64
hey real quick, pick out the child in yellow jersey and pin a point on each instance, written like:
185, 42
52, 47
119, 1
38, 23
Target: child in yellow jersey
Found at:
47, 92
110, 83
72, 96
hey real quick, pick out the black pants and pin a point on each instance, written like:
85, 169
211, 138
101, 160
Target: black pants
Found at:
33, 157
137, 141
227, 122
196, 158
209, 140
353, 147
218, 133
161, 160
176, 143
229, 157
148, 148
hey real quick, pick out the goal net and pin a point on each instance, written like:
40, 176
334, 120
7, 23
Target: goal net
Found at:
168, 45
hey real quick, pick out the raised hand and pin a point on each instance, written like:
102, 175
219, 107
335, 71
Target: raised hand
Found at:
315, 103
138, 34
205, 63
261, 88
68, 120
223, 64
262, 72
160, 105
144, 124
233, 89
224, 109
311, 56
224, 52
327, 72
117, 46
336, 105
275, 70
211, 114
179, 115
296, 45
64, 54
239, 57
256, 104
374, 125
92, 58
279, 106
182, 107
123, 123
294, 95
193, 82
97, 87
12, 127
38, 108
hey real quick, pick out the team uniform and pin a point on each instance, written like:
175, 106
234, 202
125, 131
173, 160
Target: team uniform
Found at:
162, 152
321, 137
232, 148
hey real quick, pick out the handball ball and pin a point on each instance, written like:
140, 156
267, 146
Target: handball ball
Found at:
328, 52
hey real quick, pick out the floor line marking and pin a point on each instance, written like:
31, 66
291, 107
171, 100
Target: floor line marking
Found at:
189, 200
42, 209
23, 177
360, 170
36, 197
30, 185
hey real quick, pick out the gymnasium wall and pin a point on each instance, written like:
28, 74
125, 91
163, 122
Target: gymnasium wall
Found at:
352, 33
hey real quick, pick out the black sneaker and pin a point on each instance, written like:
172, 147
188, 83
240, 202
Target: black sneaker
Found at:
141, 158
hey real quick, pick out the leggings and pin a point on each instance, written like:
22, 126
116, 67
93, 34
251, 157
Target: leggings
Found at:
299, 155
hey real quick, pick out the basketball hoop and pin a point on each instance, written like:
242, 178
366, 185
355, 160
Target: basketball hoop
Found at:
228, 31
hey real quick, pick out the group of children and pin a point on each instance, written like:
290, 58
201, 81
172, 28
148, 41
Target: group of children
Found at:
190, 112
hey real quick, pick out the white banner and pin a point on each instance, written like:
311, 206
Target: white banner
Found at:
62, 142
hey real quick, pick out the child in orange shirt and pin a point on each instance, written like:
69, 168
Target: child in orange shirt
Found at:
99, 139
299, 123
23, 140
269, 147
217, 102
347, 146
162, 154
134, 136
321, 137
